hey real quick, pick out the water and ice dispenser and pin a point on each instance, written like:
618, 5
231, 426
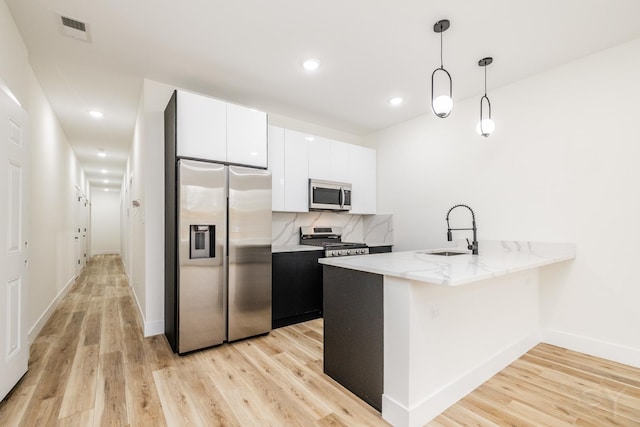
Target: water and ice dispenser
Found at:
203, 241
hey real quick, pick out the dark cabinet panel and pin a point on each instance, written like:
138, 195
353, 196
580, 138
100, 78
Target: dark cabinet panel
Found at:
354, 331
379, 249
296, 287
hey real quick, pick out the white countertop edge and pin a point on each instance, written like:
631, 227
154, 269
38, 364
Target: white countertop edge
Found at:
497, 253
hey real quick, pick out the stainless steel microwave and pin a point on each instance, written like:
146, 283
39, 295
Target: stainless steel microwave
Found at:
328, 195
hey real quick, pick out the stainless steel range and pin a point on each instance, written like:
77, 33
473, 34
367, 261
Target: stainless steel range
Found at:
330, 238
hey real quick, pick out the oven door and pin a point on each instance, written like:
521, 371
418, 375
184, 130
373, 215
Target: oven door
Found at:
325, 195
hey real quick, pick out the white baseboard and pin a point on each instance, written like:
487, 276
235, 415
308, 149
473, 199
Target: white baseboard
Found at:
606, 350
42, 320
151, 328
433, 405
106, 252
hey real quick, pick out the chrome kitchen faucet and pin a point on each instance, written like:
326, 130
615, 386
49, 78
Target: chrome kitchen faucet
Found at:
473, 246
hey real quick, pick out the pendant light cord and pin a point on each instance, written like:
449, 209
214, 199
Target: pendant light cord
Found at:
485, 80
441, 61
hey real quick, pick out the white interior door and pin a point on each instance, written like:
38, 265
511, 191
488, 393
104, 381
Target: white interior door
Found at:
14, 350
77, 232
85, 232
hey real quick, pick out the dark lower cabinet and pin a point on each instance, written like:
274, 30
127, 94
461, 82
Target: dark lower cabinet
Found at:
296, 287
379, 249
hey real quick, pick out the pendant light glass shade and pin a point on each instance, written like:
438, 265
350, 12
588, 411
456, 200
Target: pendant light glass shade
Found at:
441, 104
486, 125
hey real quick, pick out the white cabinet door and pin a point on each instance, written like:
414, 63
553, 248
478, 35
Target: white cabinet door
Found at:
201, 127
296, 171
319, 158
276, 166
362, 162
340, 162
246, 136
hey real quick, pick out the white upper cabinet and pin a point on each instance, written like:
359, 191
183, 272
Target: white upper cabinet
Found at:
328, 159
340, 162
246, 136
201, 127
276, 166
296, 171
362, 168
210, 129
319, 157
295, 157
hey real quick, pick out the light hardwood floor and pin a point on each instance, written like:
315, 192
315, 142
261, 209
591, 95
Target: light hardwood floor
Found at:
91, 366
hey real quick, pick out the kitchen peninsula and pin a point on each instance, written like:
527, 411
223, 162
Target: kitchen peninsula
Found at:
413, 332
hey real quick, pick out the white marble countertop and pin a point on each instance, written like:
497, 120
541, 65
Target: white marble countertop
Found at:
496, 258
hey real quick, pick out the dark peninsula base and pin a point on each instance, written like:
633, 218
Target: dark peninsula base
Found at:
353, 331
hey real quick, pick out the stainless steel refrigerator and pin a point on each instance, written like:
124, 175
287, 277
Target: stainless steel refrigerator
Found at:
223, 254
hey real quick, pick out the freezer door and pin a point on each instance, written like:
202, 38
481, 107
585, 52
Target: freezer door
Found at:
202, 223
249, 252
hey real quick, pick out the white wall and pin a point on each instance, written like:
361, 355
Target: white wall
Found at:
143, 231
105, 222
561, 166
14, 55
54, 174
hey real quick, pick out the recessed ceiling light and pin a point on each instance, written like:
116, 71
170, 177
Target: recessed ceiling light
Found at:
96, 114
101, 152
106, 181
309, 138
311, 64
106, 189
103, 171
396, 100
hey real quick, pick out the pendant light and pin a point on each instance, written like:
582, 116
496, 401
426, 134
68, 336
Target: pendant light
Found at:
485, 126
442, 104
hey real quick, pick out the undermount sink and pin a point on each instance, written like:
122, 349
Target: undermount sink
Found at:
445, 253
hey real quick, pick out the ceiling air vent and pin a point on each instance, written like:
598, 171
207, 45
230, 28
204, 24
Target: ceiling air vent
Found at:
73, 28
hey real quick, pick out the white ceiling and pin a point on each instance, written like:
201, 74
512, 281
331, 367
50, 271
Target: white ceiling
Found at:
250, 51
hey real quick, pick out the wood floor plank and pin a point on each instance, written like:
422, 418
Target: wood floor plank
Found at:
111, 333
91, 332
277, 408
79, 419
80, 391
344, 403
111, 404
177, 407
12, 409
143, 403
206, 396
278, 374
